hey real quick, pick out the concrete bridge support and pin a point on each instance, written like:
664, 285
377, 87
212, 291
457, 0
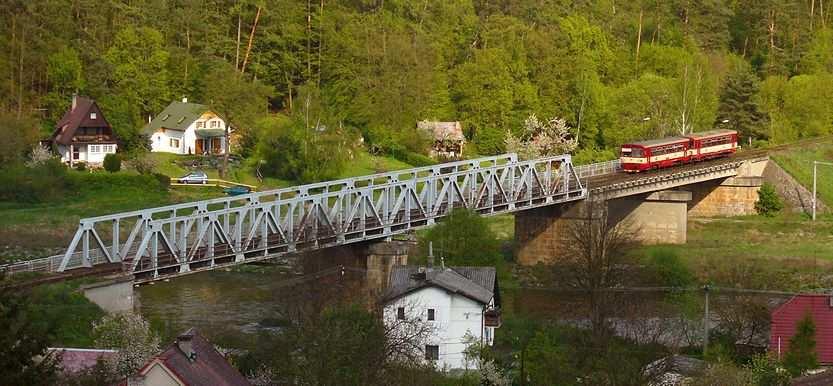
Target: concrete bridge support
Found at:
113, 295
658, 217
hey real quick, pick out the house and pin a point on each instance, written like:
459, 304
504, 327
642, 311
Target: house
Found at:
75, 360
447, 137
190, 361
187, 128
673, 370
83, 134
453, 301
786, 317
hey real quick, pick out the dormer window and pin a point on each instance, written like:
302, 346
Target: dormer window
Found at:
93, 116
166, 116
180, 120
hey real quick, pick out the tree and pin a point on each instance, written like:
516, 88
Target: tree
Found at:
801, 355
766, 371
139, 61
131, 335
591, 256
21, 136
739, 106
541, 139
463, 238
239, 101
22, 343
112, 163
768, 204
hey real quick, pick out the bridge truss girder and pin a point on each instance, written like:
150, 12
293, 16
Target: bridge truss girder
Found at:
262, 230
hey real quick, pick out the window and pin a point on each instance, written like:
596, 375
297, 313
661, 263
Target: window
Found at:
93, 116
430, 314
175, 143
108, 148
76, 153
200, 124
166, 116
637, 153
95, 148
432, 352
400, 313
215, 124
180, 120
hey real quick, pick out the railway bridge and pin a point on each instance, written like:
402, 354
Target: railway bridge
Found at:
181, 239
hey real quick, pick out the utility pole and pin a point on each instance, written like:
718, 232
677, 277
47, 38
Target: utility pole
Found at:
706, 321
815, 171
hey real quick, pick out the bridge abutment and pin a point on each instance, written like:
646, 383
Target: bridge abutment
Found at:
659, 217
113, 295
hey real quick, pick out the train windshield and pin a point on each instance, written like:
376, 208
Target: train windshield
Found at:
631, 152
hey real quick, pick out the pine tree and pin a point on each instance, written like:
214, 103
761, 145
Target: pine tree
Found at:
802, 353
738, 106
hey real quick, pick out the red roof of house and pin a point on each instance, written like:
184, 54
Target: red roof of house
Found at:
78, 116
786, 317
75, 360
208, 366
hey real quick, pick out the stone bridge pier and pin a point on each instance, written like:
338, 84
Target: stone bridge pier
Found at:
656, 217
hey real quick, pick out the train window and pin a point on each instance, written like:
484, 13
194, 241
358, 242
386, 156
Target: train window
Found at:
636, 153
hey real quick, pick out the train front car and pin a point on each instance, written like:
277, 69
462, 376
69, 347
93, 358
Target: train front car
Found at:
654, 154
713, 144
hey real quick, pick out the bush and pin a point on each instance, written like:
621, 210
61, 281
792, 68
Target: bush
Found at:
81, 166
768, 203
292, 151
143, 163
463, 238
112, 163
164, 181
669, 268
45, 182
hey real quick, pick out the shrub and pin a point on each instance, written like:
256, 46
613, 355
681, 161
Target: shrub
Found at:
801, 355
669, 268
143, 163
164, 181
768, 203
292, 151
112, 163
463, 238
45, 182
38, 156
81, 166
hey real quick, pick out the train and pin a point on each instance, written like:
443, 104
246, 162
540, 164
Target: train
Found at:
667, 152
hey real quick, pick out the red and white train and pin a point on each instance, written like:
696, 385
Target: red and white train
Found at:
667, 152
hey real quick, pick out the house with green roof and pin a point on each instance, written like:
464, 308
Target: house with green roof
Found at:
187, 128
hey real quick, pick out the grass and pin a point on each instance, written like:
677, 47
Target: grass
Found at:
798, 162
786, 252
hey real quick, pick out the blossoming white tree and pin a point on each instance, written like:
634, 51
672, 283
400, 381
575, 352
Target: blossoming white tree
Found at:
131, 335
541, 138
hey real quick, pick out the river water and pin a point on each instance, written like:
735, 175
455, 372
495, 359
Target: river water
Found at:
225, 306
231, 307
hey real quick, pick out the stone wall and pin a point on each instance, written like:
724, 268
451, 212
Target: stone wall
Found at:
540, 232
655, 218
796, 197
735, 196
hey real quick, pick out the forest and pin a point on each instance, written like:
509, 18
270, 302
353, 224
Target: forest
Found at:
615, 71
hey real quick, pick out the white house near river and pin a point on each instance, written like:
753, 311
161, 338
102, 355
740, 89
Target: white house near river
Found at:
454, 301
187, 128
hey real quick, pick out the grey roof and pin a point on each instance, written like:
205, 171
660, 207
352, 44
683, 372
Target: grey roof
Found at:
679, 364
177, 116
711, 133
442, 131
476, 283
656, 142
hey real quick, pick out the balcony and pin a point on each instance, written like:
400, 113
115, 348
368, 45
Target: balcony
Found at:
93, 139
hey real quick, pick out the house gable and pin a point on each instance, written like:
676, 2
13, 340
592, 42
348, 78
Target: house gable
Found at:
83, 114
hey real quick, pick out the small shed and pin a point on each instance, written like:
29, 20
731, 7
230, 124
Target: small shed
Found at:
448, 139
786, 317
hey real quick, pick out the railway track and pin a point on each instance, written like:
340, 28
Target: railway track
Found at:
598, 183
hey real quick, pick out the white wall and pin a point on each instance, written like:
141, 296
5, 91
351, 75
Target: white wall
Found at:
84, 153
455, 315
160, 141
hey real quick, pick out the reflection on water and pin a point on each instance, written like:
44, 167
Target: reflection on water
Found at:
225, 306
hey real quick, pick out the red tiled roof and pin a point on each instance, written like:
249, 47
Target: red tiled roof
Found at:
208, 367
78, 117
785, 318
74, 360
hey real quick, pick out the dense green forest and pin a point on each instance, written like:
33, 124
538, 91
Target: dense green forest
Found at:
614, 70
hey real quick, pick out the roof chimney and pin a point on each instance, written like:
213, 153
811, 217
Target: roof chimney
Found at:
184, 99
74, 101
185, 344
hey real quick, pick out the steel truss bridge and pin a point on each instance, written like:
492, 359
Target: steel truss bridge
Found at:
174, 240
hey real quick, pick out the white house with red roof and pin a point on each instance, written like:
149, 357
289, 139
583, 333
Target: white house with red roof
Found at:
83, 134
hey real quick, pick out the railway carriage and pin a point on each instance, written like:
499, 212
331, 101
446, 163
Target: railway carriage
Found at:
667, 152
